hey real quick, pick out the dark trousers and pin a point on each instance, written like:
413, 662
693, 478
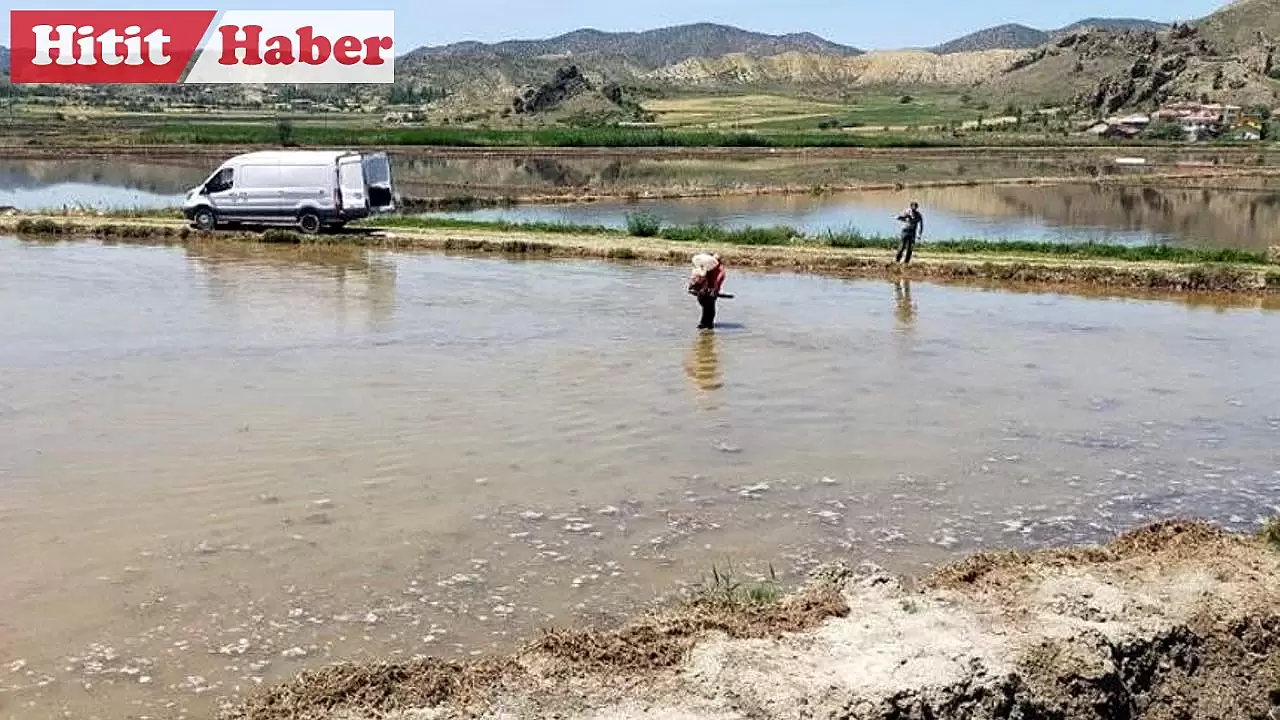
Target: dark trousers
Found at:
708, 303
906, 247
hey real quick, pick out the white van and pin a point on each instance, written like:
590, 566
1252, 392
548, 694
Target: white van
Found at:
311, 189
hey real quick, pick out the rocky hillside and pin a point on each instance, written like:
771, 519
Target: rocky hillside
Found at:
4, 59
1018, 37
572, 96
870, 69
1105, 71
651, 48
1243, 25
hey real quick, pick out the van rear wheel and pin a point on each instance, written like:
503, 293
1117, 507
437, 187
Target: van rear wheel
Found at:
309, 223
205, 219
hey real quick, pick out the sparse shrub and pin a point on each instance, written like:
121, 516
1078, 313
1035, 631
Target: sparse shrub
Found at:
42, 226
1164, 130
726, 589
1271, 532
277, 235
643, 225
284, 131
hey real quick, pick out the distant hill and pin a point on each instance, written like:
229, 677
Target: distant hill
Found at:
4, 58
1001, 37
1097, 65
1021, 37
1110, 24
1242, 25
651, 48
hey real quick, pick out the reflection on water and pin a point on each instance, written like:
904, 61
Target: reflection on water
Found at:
103, 183
703, 367
1067, 213
221, 465
349, 286
904, 308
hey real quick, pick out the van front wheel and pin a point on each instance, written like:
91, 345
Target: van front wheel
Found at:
309, 223
205, 219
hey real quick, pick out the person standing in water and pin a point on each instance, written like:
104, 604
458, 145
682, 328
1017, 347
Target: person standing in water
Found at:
705, 284
912, 230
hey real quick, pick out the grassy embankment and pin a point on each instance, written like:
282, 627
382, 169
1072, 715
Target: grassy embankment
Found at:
644, 226
1044, 266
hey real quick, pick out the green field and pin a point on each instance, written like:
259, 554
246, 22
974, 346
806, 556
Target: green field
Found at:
230, 133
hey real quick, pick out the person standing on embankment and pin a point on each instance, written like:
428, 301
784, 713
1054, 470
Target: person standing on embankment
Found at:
912, 230
705, 284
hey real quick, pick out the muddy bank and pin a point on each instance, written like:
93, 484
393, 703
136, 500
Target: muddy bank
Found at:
1029, 270
1173, 620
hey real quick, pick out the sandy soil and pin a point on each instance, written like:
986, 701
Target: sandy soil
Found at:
1029, 270
1174, 620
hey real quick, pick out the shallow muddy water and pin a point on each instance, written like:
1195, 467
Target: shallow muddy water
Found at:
222, 464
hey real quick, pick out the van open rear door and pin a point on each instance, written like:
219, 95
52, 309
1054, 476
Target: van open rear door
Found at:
377, 177
351, 184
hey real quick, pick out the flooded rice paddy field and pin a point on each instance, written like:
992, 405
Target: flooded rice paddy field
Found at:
1068, 213
1245, 214
222, 464
136, 181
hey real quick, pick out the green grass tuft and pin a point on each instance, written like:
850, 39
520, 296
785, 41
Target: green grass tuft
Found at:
643, 225
724, 588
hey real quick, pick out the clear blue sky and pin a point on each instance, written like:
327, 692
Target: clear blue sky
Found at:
868, 24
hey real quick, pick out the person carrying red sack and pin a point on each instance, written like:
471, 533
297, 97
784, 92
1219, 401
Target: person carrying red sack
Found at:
705, 284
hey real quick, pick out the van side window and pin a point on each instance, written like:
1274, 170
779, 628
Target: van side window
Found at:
304, 176
220, 182
258, 177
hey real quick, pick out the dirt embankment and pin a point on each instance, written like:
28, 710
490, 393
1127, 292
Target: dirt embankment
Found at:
1043, 271
1174, 620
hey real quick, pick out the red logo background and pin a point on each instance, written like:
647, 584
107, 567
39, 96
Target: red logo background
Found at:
185, 28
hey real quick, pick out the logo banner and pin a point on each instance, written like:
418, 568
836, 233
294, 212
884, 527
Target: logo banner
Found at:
236, 47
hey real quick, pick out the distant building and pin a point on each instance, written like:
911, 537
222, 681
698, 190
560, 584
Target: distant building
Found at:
1134, 121
1205, 120
1121, 127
